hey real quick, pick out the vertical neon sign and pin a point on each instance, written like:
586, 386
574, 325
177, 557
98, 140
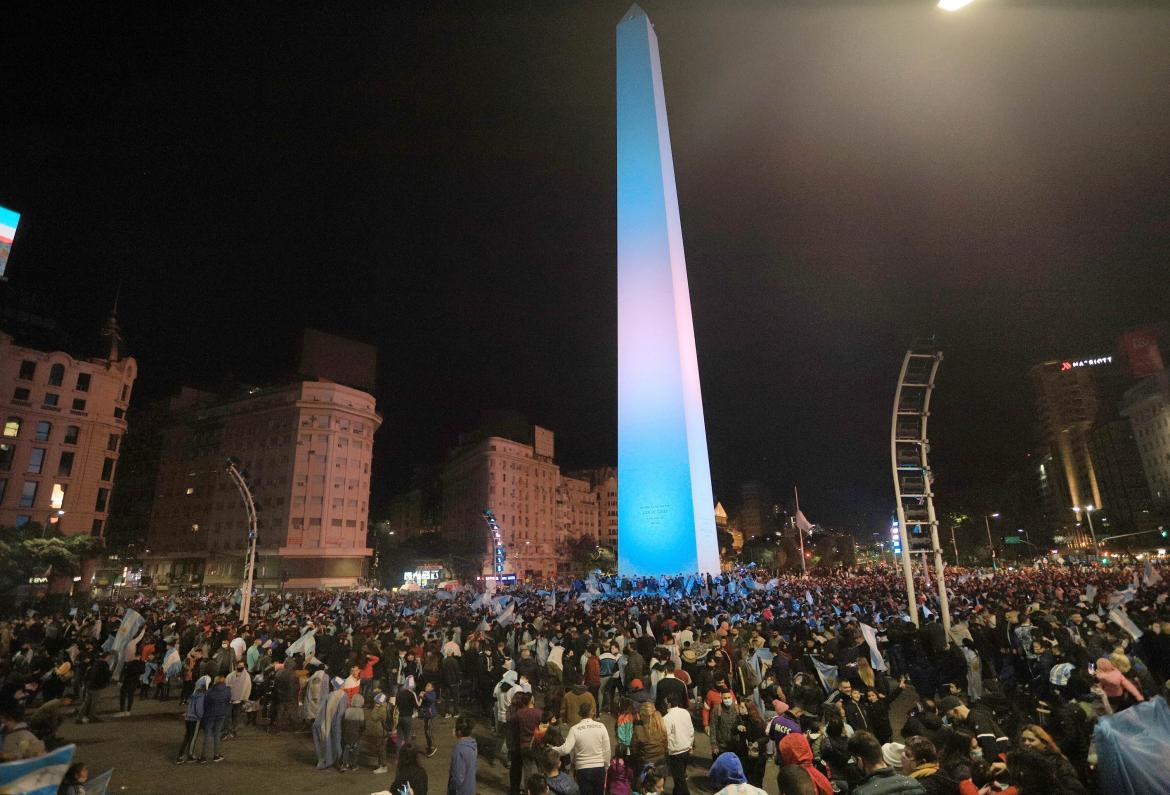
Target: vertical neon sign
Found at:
666, 520
9, 219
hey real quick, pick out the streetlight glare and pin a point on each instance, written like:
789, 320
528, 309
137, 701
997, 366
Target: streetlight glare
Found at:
995, 516
952, 5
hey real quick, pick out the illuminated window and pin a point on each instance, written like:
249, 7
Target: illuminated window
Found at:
83, 382
65, 464
12, 427
57, 496
20, 393
36, 460
78, 404
44, 429
56, 374
28, 494
71, 434
103, 497
28, 370
108, 469
52, 399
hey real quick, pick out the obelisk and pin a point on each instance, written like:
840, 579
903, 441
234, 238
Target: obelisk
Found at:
666, 519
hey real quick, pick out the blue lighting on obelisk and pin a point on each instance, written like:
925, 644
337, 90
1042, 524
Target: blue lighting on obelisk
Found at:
666, 519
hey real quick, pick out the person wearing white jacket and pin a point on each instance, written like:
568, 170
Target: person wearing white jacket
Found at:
588, 744
239, 682
680, 739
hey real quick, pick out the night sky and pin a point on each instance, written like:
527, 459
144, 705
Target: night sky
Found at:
438, 179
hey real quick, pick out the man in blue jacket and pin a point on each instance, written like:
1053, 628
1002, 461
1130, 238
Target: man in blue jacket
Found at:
216, 706
461, 779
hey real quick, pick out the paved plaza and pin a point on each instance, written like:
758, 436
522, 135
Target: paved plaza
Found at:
142, 749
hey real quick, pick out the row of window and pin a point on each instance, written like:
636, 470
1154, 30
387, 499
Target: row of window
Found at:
43, 432
30, 488
28, 371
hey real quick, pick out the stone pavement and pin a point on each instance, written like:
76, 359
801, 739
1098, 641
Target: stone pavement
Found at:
142, 749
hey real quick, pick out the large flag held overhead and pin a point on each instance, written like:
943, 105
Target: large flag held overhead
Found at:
875, 656
39, 776
826, 673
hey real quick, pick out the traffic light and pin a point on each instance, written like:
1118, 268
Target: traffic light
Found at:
1163, 532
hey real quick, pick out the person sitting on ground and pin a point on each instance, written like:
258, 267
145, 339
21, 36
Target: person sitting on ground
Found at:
19, 741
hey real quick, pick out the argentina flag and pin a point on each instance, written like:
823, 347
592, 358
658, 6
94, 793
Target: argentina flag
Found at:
39, 776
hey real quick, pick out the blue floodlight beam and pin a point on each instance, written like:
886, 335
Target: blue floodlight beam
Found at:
666, 519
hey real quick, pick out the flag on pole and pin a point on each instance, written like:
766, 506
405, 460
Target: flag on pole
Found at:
826, 673
802, 522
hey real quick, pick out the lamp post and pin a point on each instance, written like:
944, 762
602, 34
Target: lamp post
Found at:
237, 477
1088, 509
987, 517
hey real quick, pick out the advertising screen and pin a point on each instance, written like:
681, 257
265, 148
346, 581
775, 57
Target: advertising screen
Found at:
8, 221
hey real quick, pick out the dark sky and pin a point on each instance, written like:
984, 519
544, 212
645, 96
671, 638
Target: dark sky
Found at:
438, 179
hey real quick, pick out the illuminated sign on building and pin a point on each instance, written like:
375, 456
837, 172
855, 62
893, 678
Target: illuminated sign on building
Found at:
8, 222
1069, 365
896, 539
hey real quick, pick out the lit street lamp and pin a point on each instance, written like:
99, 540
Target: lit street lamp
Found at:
987, 517
1088, 509
952, 5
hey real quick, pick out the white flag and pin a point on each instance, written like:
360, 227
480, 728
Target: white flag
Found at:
508, 616
1151, 577
875, 656
1122, 620
802, 522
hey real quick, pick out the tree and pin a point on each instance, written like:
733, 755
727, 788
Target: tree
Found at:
579, 552
31, 551
603, 559
726, 543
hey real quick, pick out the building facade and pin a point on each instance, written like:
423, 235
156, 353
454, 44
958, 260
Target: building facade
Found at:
306, 450
64, 419
1147, 406
517, 481
604, 483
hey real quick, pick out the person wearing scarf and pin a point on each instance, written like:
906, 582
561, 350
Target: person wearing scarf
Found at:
327, 726
795, 750
727, 775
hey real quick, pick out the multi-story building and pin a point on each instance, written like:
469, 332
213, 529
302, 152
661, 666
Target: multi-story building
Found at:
756, 512
603, 482
1147, 405
577, 513
64, 419
306, 449
517, 482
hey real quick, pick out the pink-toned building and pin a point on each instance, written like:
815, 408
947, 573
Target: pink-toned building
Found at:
63, 423
306, 449
603, 482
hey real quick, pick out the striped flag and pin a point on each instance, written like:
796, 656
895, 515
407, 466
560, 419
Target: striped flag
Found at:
39, 776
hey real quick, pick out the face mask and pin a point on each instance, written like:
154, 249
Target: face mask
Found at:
727, 702
977, 755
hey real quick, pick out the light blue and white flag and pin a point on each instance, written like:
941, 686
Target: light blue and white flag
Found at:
1150, 577
826, 673
808, 597
172, 663
875, 657
306, 644
444, 595
1122, 620
772, 583
99, 784
39, 776
508, 616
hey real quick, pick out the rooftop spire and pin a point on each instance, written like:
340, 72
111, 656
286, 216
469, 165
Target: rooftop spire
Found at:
111, 333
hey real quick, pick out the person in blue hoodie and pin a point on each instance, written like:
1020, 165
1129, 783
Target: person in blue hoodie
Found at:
194, 716
464, 756
216, 706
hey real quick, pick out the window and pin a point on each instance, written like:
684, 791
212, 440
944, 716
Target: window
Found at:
57, 496
20, 393
27, 370
314, 521
78, 404
56, 374
298, 524
52, 399
12, 427
119, 413
44, 429
6, 453
125, 392
102, 498
22, 520
3, 488
65, 464
28, 494
96, 529
108, 469
71, 434
336, 522
36, 460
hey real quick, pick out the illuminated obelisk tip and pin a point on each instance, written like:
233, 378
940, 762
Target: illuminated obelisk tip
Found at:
666, 520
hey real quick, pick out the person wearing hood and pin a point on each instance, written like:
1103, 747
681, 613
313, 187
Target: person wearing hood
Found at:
216, 706
327, 727
194, 717
352, 725
316, 689
795, 750
1116, 685
726, 774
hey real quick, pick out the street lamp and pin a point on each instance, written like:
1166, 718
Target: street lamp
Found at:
952, 5
987, 517
1088, 509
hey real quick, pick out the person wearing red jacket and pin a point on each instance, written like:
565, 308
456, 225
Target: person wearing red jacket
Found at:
795, 750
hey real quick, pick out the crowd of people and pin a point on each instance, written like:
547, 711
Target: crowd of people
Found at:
608, 685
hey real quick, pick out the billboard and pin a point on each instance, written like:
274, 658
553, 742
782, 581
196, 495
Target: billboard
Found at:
1141, 354
8, 221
